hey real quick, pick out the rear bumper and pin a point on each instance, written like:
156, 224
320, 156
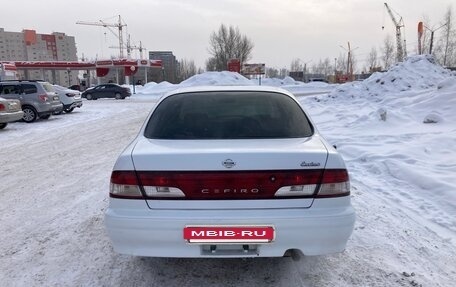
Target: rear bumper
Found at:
76, 104
11, 117
57, 108
322, 229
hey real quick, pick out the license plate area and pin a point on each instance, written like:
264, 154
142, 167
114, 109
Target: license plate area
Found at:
229, 234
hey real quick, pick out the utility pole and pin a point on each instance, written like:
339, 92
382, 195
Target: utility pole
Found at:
304, 70
349, 61
432, 36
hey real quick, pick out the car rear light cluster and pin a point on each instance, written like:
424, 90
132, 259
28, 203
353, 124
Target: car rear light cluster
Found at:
124, 184
335, 182
230, 185
2, 107
163, 191
43, 98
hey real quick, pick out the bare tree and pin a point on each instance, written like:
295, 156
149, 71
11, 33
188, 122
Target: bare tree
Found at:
372, 61
211, 64
323, 67
314, 69
225, 44
449, 48
354, 63
283, 73
388, 52
342, 63
296, 65
187, 68
272, 73
326, 67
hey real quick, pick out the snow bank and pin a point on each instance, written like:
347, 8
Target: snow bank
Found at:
206, 79
224, 78
416, 73
397, 129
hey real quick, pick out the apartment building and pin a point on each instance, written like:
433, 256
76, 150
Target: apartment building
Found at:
31, 46
170, 66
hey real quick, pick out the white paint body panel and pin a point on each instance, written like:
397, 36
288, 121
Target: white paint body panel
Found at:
137, 230
270, 154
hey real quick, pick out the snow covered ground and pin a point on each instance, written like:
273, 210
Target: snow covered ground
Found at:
54, 178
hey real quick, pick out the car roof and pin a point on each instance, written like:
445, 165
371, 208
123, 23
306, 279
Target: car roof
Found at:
23, 81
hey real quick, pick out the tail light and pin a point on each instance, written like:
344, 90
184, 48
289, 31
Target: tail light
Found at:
43, 98
335, 183
2, 107
124, 184
230, 185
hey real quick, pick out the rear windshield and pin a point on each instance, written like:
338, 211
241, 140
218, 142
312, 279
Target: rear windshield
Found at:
228, 115
48, 87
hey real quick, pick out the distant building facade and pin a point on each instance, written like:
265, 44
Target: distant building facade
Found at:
169, 68
30, 46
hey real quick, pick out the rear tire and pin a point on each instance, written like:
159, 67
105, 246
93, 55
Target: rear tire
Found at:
118, 96
30, 114
89, 97
3, 125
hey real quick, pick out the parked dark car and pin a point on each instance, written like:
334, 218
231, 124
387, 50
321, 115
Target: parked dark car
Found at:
75, 87
106, 91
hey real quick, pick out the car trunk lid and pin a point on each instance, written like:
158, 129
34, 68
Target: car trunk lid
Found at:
225, 172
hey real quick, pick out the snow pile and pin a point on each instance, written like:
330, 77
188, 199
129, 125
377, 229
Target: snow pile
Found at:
287, 81
206, 79
416, 89
396, 131
224, 78
415, 74
153, 88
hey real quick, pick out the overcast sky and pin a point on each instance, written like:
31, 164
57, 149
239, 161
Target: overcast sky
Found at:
281, 30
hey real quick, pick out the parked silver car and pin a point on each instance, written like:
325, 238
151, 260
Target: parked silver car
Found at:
10, 111
38, 98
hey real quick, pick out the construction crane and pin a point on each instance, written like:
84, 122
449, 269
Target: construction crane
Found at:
401, 50
129, 48
119, 25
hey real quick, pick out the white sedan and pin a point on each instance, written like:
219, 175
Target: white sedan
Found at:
70, 99
10, 111
229, 172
